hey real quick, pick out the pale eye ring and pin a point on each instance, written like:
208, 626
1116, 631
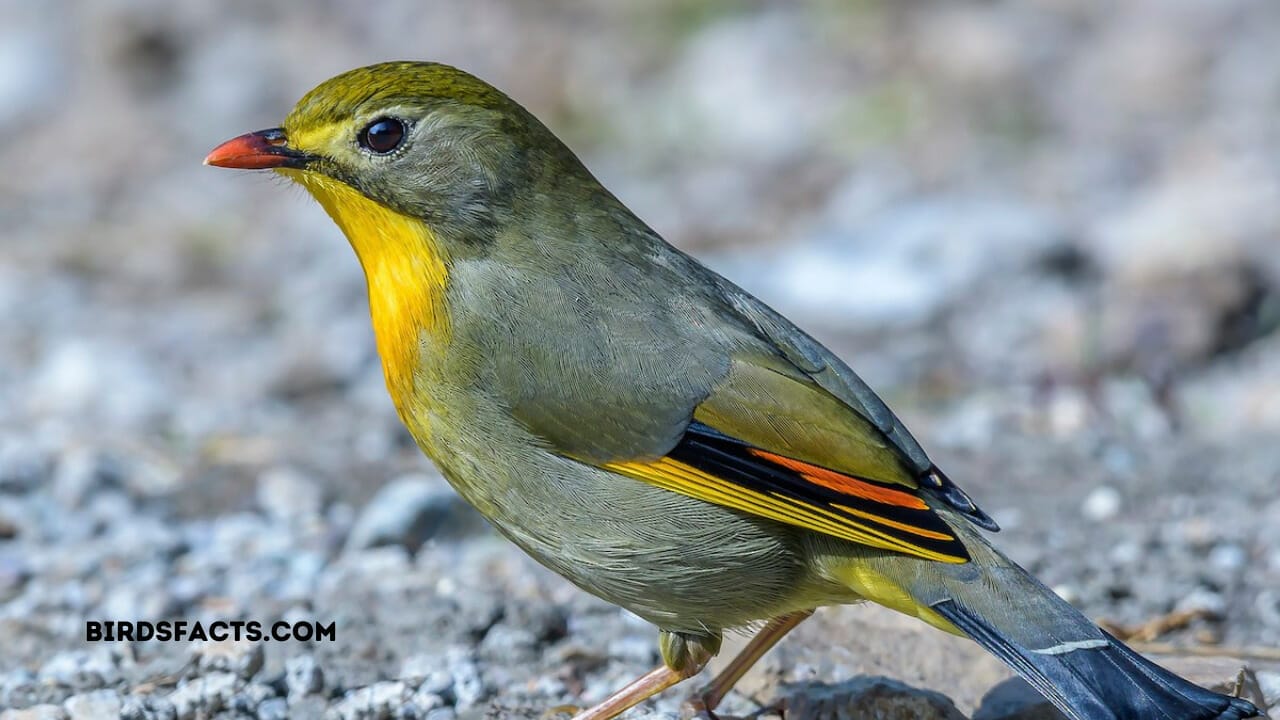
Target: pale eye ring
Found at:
382, 136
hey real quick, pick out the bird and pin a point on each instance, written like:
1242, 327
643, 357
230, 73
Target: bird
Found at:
641, 425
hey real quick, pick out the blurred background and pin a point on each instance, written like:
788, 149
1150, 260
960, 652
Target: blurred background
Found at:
1048, 232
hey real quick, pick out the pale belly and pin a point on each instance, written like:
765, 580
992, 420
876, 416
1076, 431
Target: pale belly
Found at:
680, 563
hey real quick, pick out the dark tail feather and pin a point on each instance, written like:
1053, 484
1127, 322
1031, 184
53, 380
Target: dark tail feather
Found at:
1100, 679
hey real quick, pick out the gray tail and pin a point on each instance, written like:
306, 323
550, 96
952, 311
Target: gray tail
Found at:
1098, 678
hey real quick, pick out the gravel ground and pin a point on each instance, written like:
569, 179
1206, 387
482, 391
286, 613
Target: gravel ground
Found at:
1045, 231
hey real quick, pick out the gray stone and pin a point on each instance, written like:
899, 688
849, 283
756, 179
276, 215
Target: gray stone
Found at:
407, 512
866, 641
1204, 600
82, 472
1102, 503
1228, 556
311, 706
82, 670
469, 688
1220, 674
273, 709
428, 672
425, 701
1014, 699
879, 698
1269, 686
250, 697
97, 705
288, 494
23, 466
379, 701
438, 682
148, 707
244, 658
203, 696
136, 600
35, 712
509, 644
16, 686
302, 676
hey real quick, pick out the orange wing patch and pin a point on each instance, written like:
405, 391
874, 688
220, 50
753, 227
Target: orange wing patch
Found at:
846, 484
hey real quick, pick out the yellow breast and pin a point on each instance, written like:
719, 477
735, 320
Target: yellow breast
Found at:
405, 272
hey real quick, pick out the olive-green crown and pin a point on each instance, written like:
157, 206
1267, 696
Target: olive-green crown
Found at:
395, 83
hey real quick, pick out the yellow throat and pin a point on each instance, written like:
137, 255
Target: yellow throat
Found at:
404, 270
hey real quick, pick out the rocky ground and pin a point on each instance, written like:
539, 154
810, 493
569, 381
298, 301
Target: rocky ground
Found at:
1045, 231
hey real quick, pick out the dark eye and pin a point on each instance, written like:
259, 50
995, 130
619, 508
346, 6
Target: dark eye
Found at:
382, 135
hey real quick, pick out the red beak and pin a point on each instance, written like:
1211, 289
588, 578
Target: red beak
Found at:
260, 150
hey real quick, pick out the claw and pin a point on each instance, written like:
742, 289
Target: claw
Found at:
695, 708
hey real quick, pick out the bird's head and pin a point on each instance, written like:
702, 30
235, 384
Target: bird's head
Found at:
425, 140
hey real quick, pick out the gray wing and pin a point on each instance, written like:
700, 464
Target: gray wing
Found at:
837, 378
827, 370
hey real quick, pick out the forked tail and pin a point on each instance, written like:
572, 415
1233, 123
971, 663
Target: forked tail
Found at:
1098, 677
1085, 672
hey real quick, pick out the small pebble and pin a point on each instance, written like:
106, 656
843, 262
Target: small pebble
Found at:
1068, 412
148, 707
438, 682
1204, 599
1067, 592
510, 644
81, 473
15, 571
273, 709
302, 676
379, 700
425, 701
287, 494
247, 700
434, 678
1268, 605
35, 712
82, 670
16, 686
1269, 684
1102, 503
311, 706
1228, 556
1126, 553
243, 658
23, 467
469, 688
97, 705
203, 696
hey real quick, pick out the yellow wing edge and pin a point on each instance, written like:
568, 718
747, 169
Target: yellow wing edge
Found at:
684, 479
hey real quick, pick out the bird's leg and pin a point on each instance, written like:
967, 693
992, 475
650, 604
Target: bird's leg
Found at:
651, 683
683, 656
709, 696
